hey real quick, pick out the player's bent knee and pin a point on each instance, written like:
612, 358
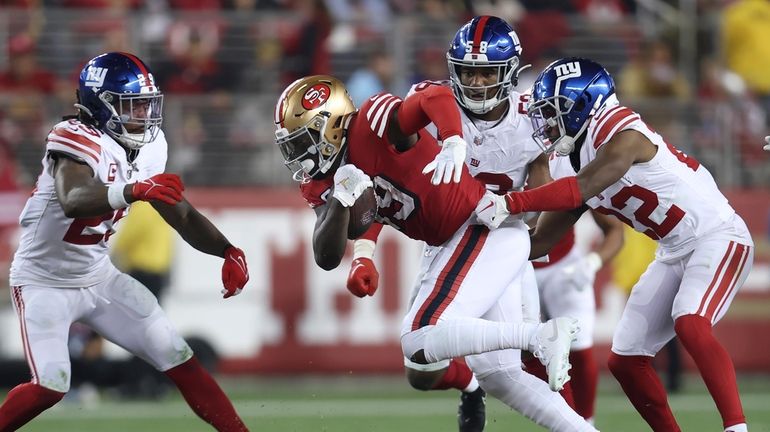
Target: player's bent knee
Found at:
55, 376
165, 348
412, 345
692, 327
423, 380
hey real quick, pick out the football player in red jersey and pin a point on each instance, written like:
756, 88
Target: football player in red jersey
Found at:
113, 154
463, 305
627, 170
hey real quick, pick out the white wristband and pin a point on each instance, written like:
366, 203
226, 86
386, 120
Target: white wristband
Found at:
115, 196
363, 249
593, 261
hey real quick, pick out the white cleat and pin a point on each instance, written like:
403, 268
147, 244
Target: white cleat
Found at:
551, 345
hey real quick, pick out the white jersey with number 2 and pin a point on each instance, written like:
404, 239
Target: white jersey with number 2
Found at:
58, 251
671, 198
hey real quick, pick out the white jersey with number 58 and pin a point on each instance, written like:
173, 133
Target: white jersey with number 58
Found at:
58, 251
499, 152
671, 198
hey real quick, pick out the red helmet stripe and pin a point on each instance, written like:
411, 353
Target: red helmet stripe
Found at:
138, 63
479, 32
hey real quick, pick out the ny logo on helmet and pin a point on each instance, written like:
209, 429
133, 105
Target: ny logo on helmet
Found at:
95, 78
568, 70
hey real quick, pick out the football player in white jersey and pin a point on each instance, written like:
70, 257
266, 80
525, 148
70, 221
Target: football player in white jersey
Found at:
483, 61
111, 154
627, 170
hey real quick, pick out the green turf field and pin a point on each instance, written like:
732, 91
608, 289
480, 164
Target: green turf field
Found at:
378, 405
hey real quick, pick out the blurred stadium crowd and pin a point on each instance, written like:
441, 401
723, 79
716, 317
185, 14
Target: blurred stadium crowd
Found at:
697, 70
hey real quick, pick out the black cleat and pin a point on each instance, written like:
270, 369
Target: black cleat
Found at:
472, 412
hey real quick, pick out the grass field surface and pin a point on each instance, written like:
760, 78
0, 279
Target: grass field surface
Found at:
377, 405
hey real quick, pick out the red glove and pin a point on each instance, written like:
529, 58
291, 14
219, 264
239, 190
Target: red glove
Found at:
166, 188
363, 277
235, 272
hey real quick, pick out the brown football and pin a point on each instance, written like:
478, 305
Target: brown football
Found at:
362, 214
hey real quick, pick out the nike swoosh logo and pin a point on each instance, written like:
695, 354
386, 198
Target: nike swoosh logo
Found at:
242, 264
491, 203
555, 333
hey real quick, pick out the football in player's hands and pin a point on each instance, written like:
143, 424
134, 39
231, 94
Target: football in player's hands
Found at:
362, 214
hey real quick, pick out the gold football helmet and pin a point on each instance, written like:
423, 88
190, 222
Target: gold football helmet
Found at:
311, 116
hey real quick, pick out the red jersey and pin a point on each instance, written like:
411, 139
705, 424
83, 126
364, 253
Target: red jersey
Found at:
406, 199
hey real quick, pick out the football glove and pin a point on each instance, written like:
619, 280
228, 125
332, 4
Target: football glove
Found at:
581, 274
235, 272
349, 183
363, 277
166, 188
448, 164
492, 210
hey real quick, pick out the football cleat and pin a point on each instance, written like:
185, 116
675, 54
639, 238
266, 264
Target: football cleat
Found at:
472, 412
551, 346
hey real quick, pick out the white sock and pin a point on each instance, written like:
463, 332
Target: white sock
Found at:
531, 397
460, 337
737, 428
472, 386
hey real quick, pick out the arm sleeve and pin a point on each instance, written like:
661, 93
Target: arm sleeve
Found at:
372, 233
559, 195
435, 104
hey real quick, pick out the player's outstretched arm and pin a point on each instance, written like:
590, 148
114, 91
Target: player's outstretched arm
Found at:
201, 234
82, 195
612, 161
434, 104
551, 227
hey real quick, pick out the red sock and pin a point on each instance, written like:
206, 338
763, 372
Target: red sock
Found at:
205, 397
714, 364
534, 367
458, 375
585, 377
25, 402
644, 389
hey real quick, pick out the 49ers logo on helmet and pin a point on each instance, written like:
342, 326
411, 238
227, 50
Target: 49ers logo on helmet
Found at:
316, 96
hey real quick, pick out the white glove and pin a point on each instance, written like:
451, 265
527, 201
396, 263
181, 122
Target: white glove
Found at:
767, 146
582, 273
492, 210
449, 161
349, 183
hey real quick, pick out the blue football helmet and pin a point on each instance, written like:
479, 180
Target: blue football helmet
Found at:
118, 91
564, 98
488, 42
